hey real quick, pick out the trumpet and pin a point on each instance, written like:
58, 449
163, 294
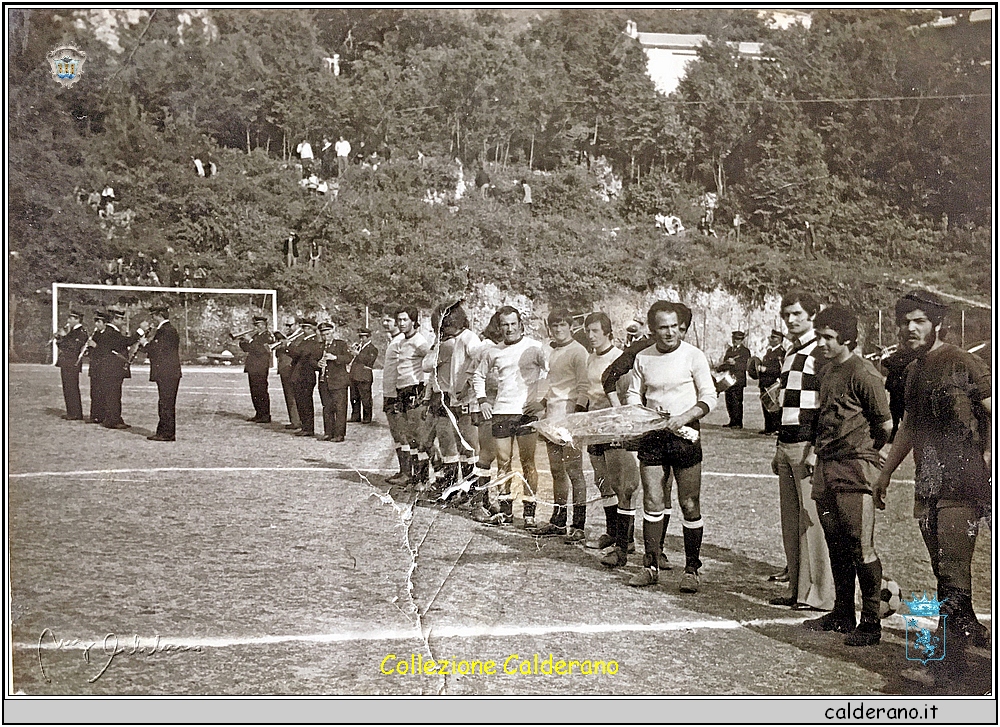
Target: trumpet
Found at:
234, 336
291, 338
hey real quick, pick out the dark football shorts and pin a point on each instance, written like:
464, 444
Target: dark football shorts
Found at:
665, 449
512, 425
598, 450
409, 398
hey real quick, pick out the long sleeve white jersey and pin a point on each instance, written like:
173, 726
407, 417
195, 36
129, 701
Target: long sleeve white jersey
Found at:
671, 382
567, 379
520, 370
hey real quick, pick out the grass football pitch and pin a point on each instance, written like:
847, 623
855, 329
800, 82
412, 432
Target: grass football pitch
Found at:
241, 560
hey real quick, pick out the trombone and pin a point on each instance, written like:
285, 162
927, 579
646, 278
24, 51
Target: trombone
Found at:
298, 334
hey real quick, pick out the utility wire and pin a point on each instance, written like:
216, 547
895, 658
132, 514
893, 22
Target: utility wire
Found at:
860, 99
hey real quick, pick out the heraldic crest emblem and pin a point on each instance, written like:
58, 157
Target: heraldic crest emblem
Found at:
922, 644
66, 64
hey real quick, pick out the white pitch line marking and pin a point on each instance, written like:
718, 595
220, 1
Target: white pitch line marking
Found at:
452, 632
79, 473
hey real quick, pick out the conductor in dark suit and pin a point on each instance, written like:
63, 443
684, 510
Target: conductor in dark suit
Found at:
258, 364
71, 341
112, 349
306, 353
735, 361
361, 378
162, 346
333, 383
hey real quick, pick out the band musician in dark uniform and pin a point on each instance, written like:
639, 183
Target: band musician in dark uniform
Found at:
333, 383
306, 353
285, 371
735, 361
257, 345
361, 378
71, 341
97, 371
162, 346
112, 349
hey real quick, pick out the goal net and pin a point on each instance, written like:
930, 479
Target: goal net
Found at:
209, 320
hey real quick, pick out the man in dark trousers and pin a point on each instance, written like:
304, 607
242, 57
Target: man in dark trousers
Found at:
306, 353
71, 341
333, 383
98, 368
285, 372
735, 362
162, 346
768, 373
113, 351
947, 425
258, 363
361, 378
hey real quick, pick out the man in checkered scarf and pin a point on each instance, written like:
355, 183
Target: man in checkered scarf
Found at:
810, 579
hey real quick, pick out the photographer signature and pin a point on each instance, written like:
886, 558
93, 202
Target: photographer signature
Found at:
109, 648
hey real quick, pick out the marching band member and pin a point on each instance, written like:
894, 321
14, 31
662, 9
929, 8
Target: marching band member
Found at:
71, 341
361, 378
333, 383
162, 346
285, 371
257, 345
306, 353
113, 347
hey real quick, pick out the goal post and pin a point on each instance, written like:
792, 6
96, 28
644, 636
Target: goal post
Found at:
157, 290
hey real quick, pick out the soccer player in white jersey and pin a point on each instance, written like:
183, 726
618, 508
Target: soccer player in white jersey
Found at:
673, 377
519, 365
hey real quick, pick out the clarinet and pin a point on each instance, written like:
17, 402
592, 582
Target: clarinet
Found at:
323, 361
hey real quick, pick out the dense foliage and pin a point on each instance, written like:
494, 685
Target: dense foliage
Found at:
559, 98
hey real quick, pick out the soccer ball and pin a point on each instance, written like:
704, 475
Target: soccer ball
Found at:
890, 598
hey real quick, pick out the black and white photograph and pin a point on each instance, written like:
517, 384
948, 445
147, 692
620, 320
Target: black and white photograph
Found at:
504, 352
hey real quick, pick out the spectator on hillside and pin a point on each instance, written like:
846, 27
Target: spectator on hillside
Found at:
315, 251
327, 155
199, 276
199, 167
483, 181
291, 250
343, 150
305, 152
175, 276
527, 197
187, 281
810, 241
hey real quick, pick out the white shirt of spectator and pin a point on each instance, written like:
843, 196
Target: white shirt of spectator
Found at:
304, 150
342, 147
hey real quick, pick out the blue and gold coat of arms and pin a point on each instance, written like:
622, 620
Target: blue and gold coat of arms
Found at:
66, 64
922, 644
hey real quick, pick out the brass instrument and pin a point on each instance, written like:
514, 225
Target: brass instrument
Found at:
291, 338
234, 336
883, 354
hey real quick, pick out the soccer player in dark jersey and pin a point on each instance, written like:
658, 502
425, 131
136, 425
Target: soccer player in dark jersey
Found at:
852, 425
946, 423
